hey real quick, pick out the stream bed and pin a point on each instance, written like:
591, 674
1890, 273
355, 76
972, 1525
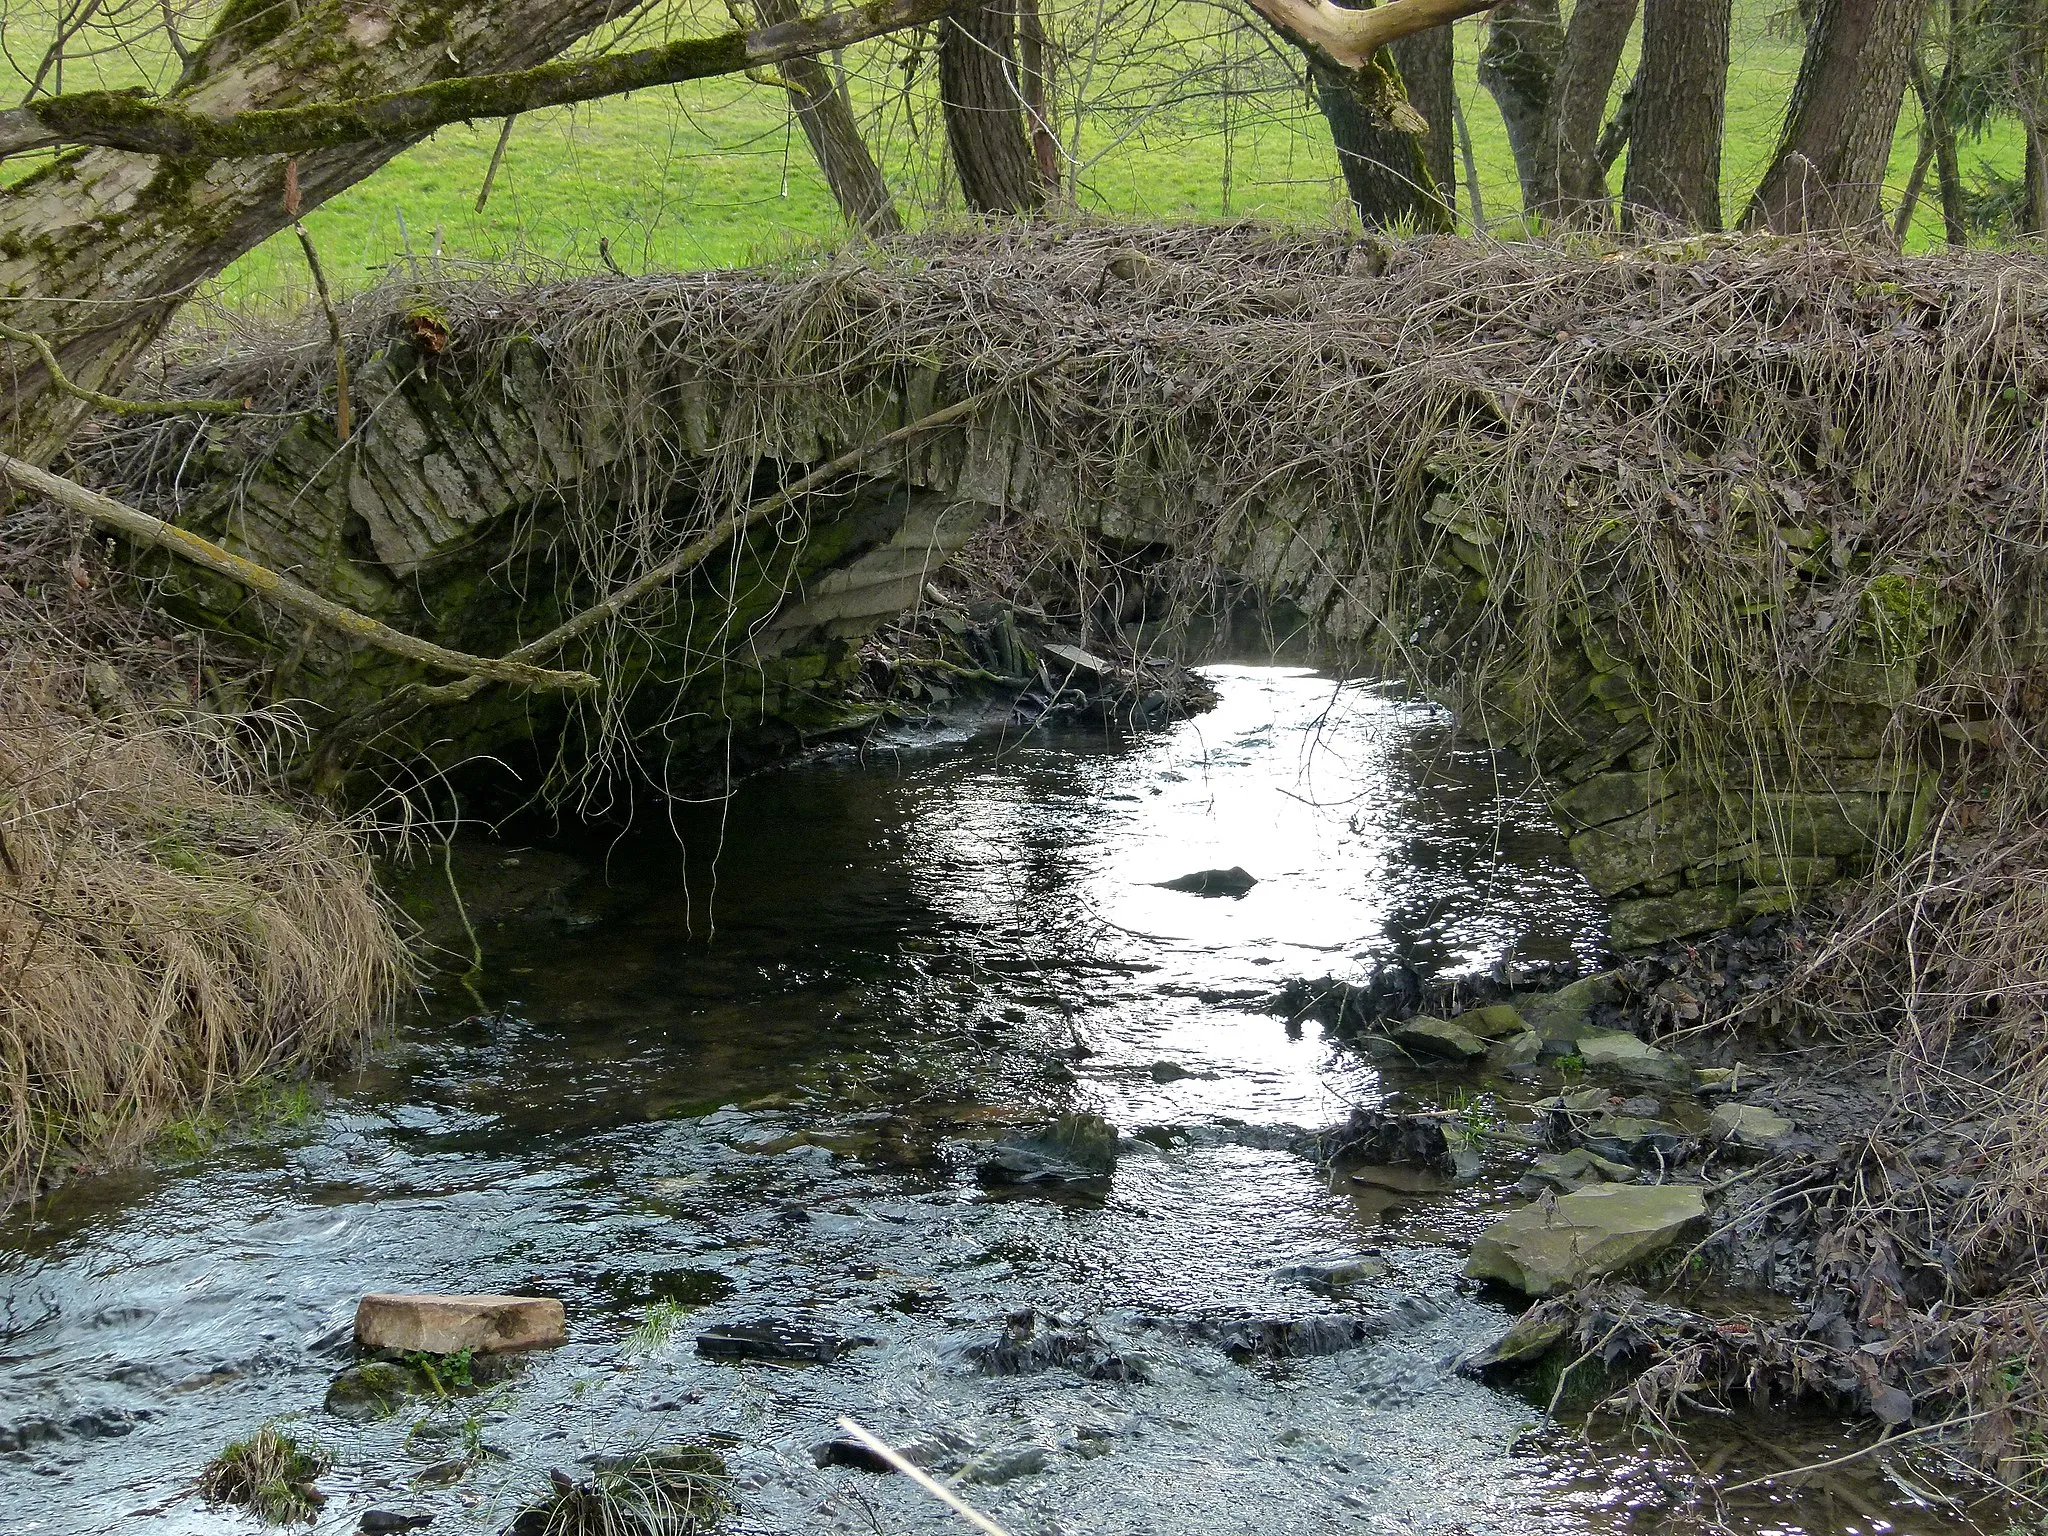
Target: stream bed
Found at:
753, 1080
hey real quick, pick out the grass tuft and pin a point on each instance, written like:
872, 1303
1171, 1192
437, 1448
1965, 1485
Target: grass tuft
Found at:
270, 1474
665, 1491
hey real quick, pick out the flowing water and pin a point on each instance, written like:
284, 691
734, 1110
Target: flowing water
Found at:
754, 1080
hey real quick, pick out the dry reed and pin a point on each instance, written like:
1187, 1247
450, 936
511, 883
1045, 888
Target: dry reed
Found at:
167, 932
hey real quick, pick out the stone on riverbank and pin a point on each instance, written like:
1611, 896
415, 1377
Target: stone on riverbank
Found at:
1560, 1017
1440, 1038
1554, 1245
447, 1325
1619, 1052
1496, 1021
1749, 1127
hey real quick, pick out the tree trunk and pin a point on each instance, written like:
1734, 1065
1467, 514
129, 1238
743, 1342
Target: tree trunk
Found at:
983, 106
1426, 61
104, 245
1574, 180
1679, 105
1938, 129
1385, 169
2030, 91
834, 134
1829, 168
1518, 66
1034, 64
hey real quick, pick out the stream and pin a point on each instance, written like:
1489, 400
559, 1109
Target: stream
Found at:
754, 1080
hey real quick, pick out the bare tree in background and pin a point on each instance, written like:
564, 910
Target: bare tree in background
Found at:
1828, 172
1678, 105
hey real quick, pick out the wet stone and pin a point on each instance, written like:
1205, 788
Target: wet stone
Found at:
772, 1338
1076, 1150
1634, 1060
447, 1325
1496, 1021
382, 1522
1564, 1172
1749, 1128
1440, 1038
1232, 882
1386, 1139
993, 1468
1560, 1243
1532, 1336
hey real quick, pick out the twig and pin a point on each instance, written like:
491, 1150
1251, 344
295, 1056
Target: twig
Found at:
922, 1478
62, 382
341, 407
1882, 1444
281, 590
483, 193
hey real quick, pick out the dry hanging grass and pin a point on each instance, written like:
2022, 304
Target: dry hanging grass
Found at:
166, 931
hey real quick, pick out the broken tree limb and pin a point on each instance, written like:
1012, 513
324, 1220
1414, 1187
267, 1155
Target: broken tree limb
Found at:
274, 588
64, 384
133, 120
1350, 38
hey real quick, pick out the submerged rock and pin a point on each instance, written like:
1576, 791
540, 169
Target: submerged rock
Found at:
448, 1325
773, 1339
1334, 1277
1438, 1037
1076, 1150
1234, 881
1560, 1243
1270, 1338
1031, 1342
372, 1390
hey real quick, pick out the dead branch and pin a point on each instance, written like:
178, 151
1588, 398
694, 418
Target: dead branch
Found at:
281, 590
1350, 38
63, 383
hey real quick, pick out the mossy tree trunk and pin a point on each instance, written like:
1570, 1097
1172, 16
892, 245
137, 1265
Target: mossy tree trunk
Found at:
100, 247
1551, 82
1426, 61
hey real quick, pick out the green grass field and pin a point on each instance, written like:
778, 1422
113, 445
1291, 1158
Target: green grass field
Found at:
717, 174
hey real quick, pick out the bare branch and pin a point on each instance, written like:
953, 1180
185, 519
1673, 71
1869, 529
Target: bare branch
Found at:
132, 120
66, 385
268, 584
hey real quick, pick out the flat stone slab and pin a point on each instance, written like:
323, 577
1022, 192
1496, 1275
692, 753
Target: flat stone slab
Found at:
447, 1325
1555, 1245
1496, 1021
1749, 1126
1440, 1038
1621, 1053
1234, 881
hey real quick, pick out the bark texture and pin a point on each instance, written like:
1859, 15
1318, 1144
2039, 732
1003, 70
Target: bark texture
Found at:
980, 93
1518, 66
1573, 179
1385, 169
1426, 61
834, 134
1828, 172
1678, 107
